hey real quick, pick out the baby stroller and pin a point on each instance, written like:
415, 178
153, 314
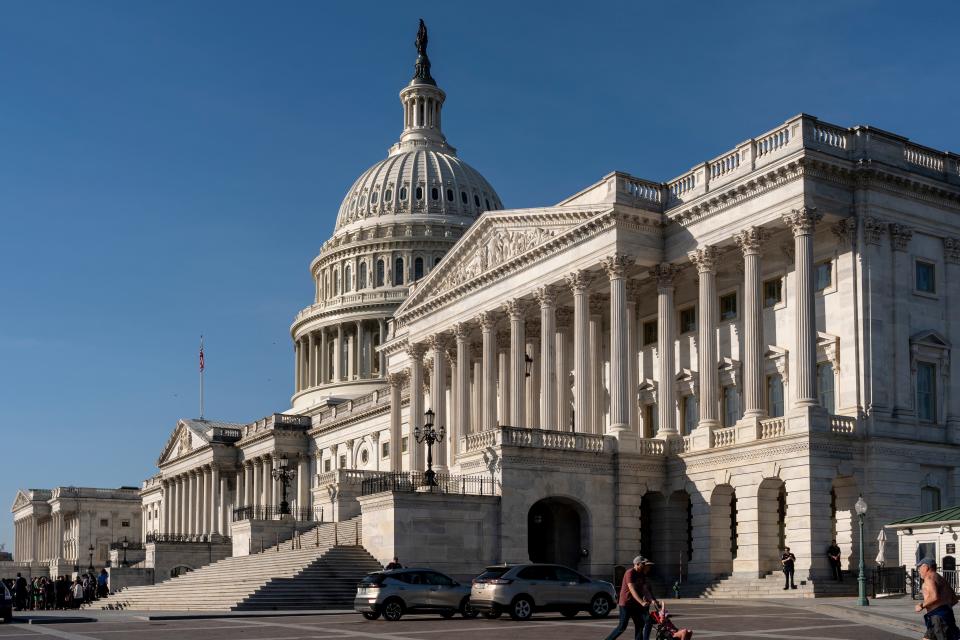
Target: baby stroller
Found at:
665, 627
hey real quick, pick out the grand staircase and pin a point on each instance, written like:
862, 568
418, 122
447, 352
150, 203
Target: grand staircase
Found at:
319, 569
766, 587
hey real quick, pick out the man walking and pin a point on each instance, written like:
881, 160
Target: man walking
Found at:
634, 600
788, 560
939, 600
833, 555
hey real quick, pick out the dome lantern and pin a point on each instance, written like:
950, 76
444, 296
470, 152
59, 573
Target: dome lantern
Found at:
422, 102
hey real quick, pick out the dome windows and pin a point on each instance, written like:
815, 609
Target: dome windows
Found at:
476, 200
449, 195
487, 201
419, 193
403, 194
388, 195
463, 197
374, 197
380, 272
418, 268
398, 271
362, 276
434, 193
346, 279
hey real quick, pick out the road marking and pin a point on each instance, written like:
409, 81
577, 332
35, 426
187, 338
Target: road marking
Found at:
66, 635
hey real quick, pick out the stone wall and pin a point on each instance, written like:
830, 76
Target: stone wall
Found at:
163, 557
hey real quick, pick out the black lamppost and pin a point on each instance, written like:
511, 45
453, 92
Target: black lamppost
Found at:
125, 545
528, 365
284, 474
91, 558
429, 435
861, 509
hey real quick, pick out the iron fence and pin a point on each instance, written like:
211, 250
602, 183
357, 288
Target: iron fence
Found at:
416, 482
131, 546
272, 512
186, 538
889, 580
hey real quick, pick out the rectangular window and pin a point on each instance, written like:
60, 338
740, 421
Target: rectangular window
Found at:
731, 406
772, 292
690, 414
404, 444
124, 523
775, 396
926, 391
825, 387
649, 420
929, 499
649, 332
728, 306
385, 450
104, 523
326, 465
688, 320
823, 276
926, 281
342, 463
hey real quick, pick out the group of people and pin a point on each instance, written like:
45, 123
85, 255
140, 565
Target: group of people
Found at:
40, 594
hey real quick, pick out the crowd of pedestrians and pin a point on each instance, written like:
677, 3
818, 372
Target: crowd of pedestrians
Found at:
42, 594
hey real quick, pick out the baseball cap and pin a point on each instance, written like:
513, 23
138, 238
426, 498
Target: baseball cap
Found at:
641, 560
930, 562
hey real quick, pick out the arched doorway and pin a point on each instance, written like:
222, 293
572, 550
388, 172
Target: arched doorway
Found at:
771, 523
723, 528
554, 527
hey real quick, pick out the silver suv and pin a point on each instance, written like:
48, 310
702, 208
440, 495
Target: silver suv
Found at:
524, 588
394, 593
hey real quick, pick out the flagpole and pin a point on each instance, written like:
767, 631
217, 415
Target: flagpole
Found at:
201, 377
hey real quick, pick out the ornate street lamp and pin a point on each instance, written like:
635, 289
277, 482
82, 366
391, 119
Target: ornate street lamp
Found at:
284, 474
429, 435
861, 509
125, 545
528, 362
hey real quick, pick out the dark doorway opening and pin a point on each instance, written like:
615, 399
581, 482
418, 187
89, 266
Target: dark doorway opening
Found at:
554, 532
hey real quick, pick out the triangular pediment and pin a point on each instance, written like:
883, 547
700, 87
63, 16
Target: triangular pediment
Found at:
182, 441
20, 501
930, 338
493, 242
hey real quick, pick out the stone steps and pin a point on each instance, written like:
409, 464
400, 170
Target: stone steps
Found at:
316, 570
767, 586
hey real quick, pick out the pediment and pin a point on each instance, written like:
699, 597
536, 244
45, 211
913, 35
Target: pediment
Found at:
495, 240
182, 441
931, 339
20, 501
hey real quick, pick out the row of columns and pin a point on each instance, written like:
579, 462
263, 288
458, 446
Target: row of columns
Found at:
346, 351
505, 363
196, 502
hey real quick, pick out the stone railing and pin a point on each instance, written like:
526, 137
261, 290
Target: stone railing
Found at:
846, 425
724, 437
537, 439
379, 398
773, 428
651, 447
347, 476
389, 295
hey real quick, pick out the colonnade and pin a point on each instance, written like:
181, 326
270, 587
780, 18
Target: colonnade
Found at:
504, 392
196, 502
339, 353
256, 486
38, 539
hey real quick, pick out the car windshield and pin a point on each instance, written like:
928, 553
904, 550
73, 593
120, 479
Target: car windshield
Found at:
492, 573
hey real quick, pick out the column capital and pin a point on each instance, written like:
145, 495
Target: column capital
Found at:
398, 378
599, 304
615, 265
487, 320
375, 437
873, 230
515, 308
845, 230
634, 290
900, 236
750, 240
439, 341
951, 250
417, 350
546, 295
461, 331
802, 221
451, 354
664, 273
578, 281
705, 258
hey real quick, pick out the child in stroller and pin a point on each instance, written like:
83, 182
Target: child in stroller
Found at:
665, 627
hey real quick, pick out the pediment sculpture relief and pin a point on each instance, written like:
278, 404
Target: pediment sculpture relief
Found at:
184, 445
499, 247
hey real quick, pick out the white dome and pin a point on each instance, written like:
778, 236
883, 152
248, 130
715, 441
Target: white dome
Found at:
428, 181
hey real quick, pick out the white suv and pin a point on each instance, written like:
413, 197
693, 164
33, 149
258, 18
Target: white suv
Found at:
522, 589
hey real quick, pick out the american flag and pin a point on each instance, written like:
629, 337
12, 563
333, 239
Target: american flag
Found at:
201, 354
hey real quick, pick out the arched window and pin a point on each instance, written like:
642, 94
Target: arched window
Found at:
403, 194
418, 268
476, 200
487, 203
437, 260
775, 396
398, 271
346, 279
929, 499
336, 283
362, 276
825, 386
450, 195
419, 193
380, 274
463, 197
387, 195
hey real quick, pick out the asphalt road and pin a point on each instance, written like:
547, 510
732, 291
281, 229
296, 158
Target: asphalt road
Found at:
721, 621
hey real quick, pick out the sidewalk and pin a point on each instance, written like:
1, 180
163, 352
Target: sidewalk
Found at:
96, 615
894, 612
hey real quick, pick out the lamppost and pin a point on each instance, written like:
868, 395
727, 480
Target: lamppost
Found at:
861, 509
429, 435
125, 545
284, 474
91, 558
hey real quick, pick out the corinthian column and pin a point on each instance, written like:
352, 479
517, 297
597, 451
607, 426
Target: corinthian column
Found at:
615, 266
324, 357
666, 393
214, 497
562, 349
416, 353
438, 396
296, 367
311, 361
461, 421
488, 329
705, 260
578, 281
518, 363
749, 241
802, 222
397, 381
503, 379
547, 297
633, 355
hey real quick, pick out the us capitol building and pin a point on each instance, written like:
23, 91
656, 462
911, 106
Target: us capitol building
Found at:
701, 370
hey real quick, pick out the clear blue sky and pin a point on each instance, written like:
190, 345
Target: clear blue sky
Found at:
170, 168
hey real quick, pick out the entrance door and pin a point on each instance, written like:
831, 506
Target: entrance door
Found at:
553, 532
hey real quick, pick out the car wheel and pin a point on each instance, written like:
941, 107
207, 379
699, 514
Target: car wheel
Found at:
392, 610
371, 615
522, 608
466, 610
569, 613
446, 614
600, 606
493, 613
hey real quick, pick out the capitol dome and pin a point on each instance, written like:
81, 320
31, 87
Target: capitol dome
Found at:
394, 226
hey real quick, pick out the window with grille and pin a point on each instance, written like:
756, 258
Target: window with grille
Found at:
775, 396
926, 391
825, 379
773, 292
688, 320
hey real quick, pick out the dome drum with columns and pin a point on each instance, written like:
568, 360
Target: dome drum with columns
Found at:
396, 222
